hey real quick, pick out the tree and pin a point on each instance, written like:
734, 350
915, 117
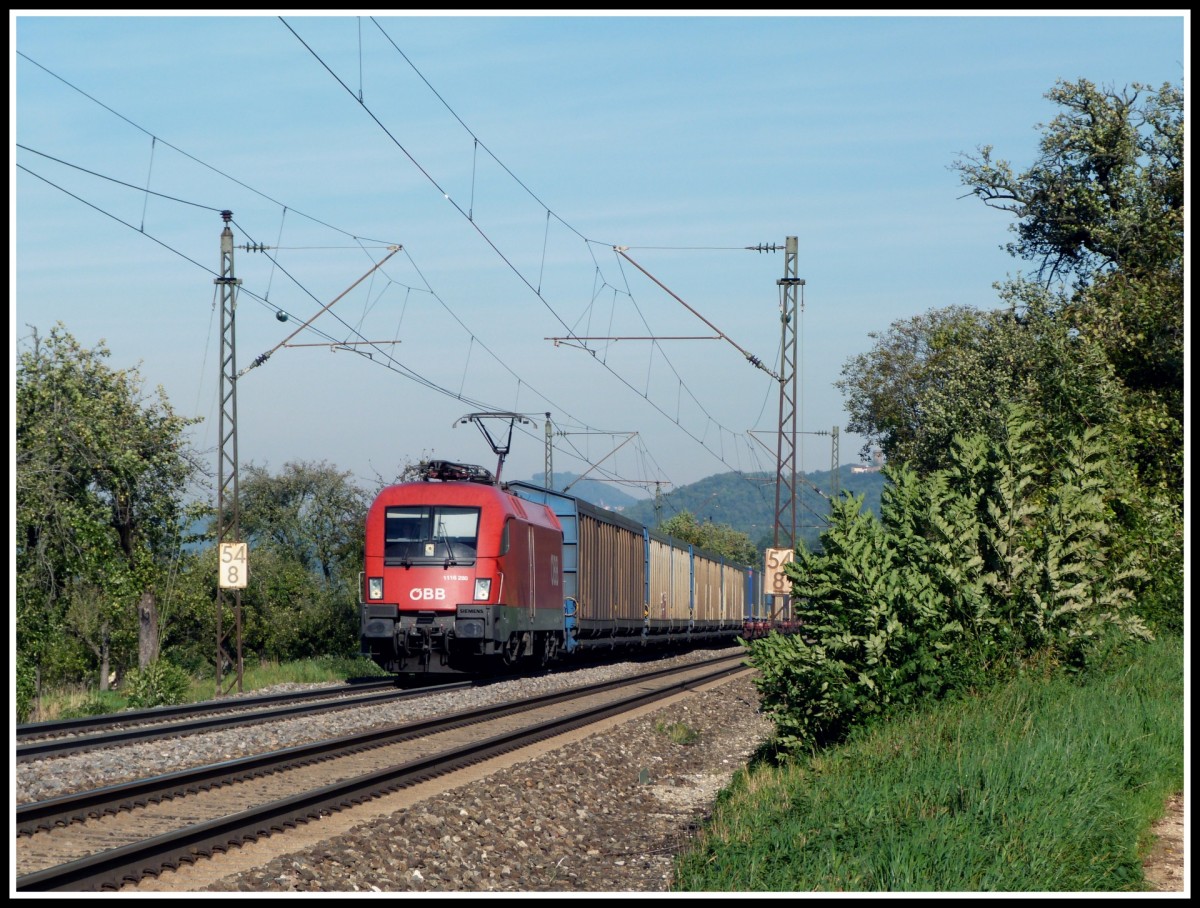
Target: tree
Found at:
954, 370
305, 526
1095, 344
1104, 204
717, 538
310, 511
1106, 193
1138, 323
887, 388
101, 473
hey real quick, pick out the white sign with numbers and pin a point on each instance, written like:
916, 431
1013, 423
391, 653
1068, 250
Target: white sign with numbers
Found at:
775, 581
233, 565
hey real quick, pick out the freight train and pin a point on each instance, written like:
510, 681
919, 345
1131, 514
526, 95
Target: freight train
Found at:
463, 575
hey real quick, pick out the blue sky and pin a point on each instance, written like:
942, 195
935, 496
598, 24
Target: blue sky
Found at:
508, 156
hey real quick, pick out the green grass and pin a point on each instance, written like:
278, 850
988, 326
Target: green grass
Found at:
677, 732
1042, 785
74, 702
306, 671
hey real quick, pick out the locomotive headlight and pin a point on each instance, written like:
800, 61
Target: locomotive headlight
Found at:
375, 588
483, 588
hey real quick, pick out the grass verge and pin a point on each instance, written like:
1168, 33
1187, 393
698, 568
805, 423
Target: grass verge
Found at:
70, 703
1041, 785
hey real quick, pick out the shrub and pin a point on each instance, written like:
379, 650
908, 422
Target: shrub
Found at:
969, 571
159, 684
26, 687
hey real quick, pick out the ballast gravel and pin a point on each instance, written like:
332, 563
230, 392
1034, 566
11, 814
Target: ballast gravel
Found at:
603, 814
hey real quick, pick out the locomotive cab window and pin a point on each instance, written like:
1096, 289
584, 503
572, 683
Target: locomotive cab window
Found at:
430, 534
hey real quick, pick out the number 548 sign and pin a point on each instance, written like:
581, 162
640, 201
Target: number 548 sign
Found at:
777, 582
233, 565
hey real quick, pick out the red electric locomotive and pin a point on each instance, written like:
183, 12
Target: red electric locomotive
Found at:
465, 575
460, 575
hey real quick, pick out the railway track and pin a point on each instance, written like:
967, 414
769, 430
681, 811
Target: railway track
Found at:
105, 838
58, 738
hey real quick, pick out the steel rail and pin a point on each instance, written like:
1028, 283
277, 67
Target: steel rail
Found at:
65, 809
50, 727
129, 863
69, 745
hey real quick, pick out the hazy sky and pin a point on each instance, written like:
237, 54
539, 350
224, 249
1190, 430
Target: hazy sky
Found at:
507, 157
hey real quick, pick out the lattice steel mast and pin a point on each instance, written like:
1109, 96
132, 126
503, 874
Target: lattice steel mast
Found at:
785, 479
228, 517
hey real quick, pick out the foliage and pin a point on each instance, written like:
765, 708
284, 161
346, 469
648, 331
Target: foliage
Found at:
331, 626
1107, 191
158, 684
953, 371
289, 613
885, 611
310, 512
101, 469
1036, 785
101, 475
968, 571
1138, 324
719, 539
1102, 355
1152, 526
885, 388
188, 614
96, 703
305, 530
61, 659
26, 687
1104, 204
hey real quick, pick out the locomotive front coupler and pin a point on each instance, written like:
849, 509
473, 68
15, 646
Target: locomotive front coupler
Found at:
423, 640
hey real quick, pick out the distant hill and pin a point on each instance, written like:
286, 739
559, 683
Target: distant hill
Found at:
744, 501
601, 494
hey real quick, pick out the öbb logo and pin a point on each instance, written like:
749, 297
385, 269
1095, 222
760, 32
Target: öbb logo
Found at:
418, 594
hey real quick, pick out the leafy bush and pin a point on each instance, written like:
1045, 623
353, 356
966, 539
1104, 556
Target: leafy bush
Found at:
26, 687
969, 571
67, 661
159, 684
194, 658
328, 624
1156, 538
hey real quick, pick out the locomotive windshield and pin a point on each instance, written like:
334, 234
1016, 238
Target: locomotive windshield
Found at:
430, 534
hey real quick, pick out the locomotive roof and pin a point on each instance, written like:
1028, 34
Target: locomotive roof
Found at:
448, 471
